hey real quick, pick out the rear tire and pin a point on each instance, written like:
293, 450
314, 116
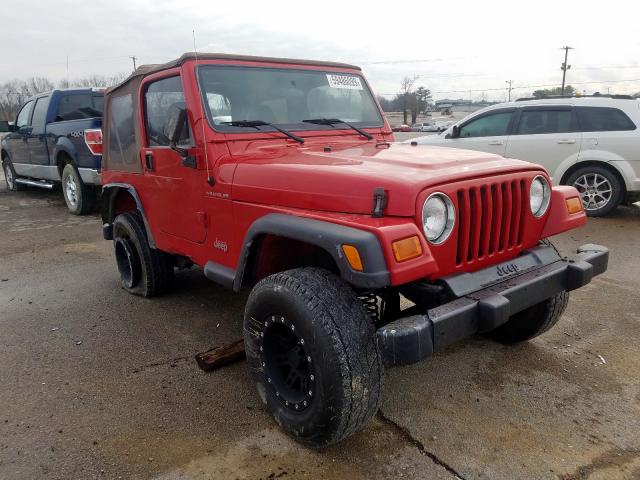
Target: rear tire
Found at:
144, 271
312, 349
533, 321
10, 176
601, 191
79, 197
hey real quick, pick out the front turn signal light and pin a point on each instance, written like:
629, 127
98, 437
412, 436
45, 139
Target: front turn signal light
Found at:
574, 205
353, 257
407, 248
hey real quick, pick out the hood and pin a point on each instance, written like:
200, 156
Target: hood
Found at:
343, 179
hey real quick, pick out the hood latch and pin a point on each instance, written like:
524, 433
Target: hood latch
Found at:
379, 202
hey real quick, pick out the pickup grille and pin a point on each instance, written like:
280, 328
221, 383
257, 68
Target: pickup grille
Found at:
490, 219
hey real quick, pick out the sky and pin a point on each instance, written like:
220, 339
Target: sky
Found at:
457, 49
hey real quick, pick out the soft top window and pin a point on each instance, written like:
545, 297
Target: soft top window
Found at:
122, 146
284, 96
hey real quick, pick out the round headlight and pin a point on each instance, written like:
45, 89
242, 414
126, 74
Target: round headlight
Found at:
539, 196
438, 217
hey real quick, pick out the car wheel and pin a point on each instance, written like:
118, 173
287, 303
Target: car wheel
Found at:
312, 349
79, 197
601, 191
144, 271
10, 176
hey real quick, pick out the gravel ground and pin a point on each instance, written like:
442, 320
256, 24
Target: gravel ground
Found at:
97, 383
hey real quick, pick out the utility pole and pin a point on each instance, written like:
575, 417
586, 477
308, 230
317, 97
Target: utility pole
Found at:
509, 82
564, 67
133, 57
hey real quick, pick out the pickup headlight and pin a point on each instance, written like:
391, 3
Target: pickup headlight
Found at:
438, 217
539, 196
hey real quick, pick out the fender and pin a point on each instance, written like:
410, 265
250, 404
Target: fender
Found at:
325, 235
109, 192
66, 146
559, 219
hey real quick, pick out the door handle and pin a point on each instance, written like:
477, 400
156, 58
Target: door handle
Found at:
496, 142
566, 141
148, 160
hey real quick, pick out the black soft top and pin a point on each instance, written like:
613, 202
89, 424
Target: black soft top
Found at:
144, 70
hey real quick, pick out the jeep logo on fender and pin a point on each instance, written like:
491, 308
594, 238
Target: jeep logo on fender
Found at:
509, 269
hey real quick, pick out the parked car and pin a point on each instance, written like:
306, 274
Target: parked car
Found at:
424, 127
592, 143
56, 139
302, 197
402, 128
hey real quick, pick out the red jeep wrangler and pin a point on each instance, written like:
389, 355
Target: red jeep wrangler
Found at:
279, 175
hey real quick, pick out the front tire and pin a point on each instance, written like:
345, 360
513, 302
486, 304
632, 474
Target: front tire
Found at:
533, 321
312, 349
10, 176
79, 197
144, 271
601, 191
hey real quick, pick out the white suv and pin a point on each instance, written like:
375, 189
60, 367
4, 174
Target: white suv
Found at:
592, 143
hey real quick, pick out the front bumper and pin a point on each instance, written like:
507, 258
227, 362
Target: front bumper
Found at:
486, 299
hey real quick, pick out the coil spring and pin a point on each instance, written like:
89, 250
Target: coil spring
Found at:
370, 302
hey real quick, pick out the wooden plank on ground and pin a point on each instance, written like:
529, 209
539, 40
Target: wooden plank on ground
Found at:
220, 356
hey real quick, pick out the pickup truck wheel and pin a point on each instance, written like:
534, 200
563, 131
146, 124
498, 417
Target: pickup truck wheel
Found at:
10, 176
533, 321
80, 198
143, 270
312, 348
601, 190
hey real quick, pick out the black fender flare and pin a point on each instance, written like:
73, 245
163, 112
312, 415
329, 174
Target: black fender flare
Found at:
109, 192
326, 235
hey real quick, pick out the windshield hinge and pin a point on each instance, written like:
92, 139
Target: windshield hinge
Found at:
379, 202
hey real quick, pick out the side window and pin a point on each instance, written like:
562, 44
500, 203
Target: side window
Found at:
538, 121
25, 115
487, 126
160, 99
603, 119
122, 137
74, 106
40, 114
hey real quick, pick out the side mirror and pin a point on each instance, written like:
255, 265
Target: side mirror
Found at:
455, 132
4, 126
174, 126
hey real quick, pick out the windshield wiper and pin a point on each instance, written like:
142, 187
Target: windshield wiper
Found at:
333, 121
259, 123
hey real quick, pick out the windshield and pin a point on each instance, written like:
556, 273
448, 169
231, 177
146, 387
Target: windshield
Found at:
284, 97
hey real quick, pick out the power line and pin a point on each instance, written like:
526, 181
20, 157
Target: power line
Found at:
547, 85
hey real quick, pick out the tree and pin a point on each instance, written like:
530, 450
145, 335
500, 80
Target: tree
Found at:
548, 92
420, 102
406, 89
14, 93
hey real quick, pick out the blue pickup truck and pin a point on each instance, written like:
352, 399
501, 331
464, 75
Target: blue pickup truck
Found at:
57, 139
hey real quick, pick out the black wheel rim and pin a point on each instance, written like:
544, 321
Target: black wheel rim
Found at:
288, 368
127, 261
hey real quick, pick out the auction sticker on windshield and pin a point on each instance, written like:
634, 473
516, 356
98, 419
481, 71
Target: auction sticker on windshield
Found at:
344, 81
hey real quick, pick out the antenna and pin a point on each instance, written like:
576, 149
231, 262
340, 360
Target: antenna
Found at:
210, 179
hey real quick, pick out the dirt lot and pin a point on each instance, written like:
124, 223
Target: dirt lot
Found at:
96, 383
